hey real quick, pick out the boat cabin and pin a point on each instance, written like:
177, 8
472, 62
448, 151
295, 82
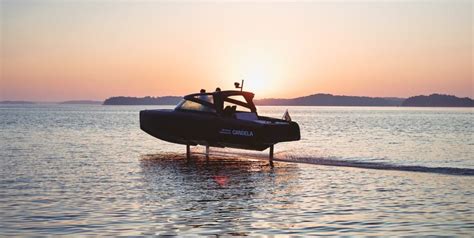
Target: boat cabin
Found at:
229, 103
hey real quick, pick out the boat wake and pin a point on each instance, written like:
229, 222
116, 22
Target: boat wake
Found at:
381, 166
352, 163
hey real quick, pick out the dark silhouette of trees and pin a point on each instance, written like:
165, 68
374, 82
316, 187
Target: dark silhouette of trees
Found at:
438, 100
332, 100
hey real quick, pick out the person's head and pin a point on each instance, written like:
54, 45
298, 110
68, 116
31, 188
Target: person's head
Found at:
202, 91
218, 89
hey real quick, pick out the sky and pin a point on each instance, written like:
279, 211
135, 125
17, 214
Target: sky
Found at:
93, 49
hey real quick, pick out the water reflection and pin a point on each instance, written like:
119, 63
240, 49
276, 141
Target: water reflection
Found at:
221, 195
69, 170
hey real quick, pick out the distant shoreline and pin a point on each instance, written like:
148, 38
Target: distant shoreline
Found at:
87, 102
17, 102
433, 100
70, 102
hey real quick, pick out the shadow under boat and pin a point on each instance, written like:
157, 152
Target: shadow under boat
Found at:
218, 192
200, 168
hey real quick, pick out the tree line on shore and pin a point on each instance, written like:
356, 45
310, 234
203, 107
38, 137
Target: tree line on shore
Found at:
433, 100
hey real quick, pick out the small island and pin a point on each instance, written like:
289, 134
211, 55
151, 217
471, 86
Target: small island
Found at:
438, 100
87, 102
16, 102
167, 100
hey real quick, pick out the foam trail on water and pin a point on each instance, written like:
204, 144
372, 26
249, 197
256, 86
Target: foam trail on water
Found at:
380, 166
288, 156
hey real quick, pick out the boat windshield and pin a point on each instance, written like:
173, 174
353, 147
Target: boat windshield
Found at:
205, 97
194, 106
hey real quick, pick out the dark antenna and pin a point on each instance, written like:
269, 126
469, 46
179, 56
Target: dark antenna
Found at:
238, 85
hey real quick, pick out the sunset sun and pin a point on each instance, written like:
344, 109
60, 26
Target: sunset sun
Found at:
261, 71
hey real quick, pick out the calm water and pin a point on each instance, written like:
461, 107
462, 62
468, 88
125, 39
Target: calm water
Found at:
356, 171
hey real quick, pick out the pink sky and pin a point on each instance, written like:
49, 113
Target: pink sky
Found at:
66, 50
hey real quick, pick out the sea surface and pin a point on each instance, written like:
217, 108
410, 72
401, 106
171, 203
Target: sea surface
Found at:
90, 170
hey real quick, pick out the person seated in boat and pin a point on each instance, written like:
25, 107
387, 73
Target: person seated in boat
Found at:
229, 111
204, 96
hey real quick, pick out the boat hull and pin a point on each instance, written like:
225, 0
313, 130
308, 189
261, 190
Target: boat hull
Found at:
190, 128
